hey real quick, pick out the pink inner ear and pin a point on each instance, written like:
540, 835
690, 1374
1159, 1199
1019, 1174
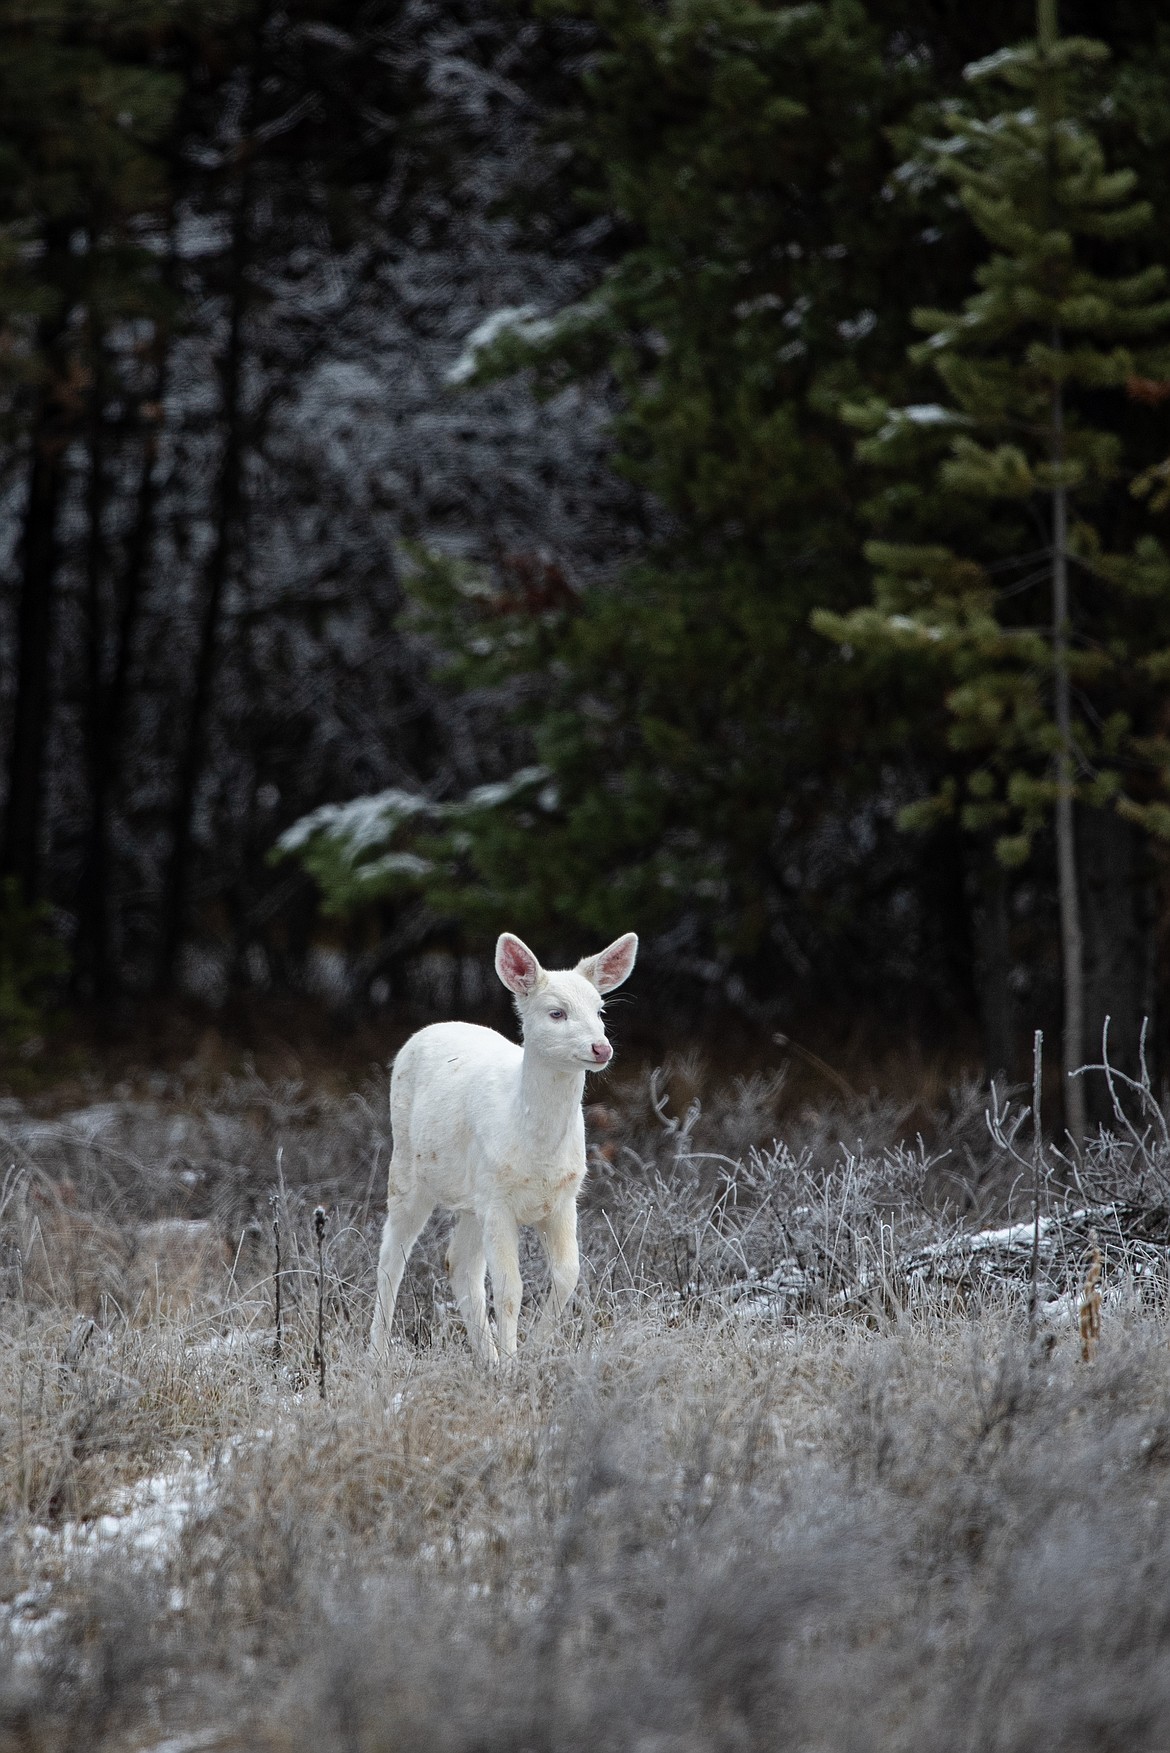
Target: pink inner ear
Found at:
517, 965
612, 967
614, 964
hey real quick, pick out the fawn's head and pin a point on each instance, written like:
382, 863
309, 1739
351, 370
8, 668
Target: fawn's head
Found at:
560, 1009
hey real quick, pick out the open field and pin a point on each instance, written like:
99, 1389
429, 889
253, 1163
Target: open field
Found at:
797, 1474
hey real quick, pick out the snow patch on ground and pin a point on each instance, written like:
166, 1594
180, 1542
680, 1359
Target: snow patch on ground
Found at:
146, 1518
964, 1259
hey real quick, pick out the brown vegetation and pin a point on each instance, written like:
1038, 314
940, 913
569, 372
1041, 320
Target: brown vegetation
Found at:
729, 1509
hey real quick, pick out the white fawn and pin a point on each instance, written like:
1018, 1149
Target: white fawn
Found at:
495, 1133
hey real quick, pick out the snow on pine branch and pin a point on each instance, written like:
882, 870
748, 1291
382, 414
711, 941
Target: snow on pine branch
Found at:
921, 414
521, 321
347, 847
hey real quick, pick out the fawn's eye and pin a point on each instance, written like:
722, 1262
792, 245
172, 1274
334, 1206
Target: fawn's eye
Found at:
558, 1016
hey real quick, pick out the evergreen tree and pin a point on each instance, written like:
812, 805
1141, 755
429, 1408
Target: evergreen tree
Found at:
694, 741
1046, 706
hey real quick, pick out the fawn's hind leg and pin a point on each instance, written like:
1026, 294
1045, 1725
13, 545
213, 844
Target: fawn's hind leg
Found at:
406, 1214
502, 1245
466, 1265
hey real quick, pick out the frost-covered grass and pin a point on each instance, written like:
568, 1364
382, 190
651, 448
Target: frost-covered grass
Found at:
773, 1487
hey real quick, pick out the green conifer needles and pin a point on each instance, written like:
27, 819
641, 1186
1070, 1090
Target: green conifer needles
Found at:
1034, 369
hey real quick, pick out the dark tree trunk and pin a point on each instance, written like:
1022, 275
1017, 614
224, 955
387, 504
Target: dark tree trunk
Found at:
1118, 906
991, 925
110, 700
91, 948
51, 430
229, 503
956, 953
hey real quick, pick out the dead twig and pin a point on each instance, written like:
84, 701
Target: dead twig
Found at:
1090, 1305
1037, 1165
319, 1348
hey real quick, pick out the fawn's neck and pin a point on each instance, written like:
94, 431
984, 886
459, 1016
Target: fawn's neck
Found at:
550, 1099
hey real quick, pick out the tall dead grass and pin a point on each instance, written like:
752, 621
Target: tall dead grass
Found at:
728, 1510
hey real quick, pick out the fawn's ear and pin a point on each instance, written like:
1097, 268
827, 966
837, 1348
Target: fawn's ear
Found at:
516, 965
613, 965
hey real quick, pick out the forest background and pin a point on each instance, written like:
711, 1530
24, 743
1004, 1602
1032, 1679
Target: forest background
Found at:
581, 467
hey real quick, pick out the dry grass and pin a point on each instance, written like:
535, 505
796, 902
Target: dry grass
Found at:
721, 1514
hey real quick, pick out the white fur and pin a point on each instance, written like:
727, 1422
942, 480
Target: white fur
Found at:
494, 1132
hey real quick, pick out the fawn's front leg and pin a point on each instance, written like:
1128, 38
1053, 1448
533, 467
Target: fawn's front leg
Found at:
558, 1232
